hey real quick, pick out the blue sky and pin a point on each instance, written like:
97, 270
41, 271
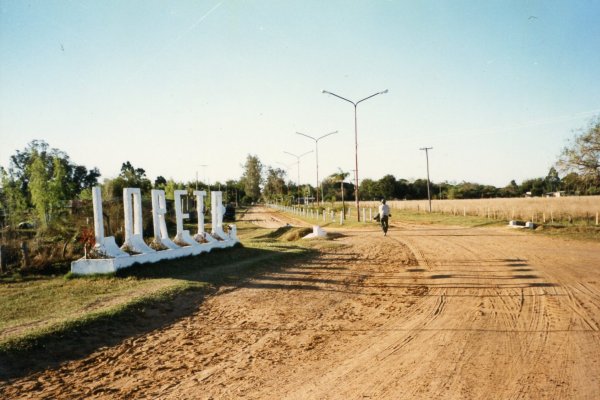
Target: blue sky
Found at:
496, 88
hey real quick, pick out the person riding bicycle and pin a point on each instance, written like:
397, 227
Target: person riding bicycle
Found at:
384, 214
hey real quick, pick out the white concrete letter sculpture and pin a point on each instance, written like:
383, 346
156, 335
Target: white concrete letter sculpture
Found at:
199, 236
134, 240
104, 245
159, 209
182, 235
135, 249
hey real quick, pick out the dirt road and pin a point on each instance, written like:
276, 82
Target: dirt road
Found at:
426, 312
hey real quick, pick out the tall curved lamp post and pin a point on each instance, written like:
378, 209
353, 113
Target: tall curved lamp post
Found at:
355, 104
317, 157
298, 157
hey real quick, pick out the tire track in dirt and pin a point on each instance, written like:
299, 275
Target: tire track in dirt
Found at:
546, 318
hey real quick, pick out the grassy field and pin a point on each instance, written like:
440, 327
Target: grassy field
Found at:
563, 210
36, 310
570, 210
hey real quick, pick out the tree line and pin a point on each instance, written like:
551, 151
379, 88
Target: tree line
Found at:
579, 163
41, 181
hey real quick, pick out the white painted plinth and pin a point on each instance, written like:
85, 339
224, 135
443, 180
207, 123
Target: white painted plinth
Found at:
86, 266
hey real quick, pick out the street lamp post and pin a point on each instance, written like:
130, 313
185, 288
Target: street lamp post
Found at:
427, 158
317, 157
355, 104
298, 157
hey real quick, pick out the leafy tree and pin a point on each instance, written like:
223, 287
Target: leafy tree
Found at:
402, 189
12, 200
419, 189
21, 161
134, 177
338, 183
128, 177
369, 189
583, 153
552, 180
572, 184
171, 187
60, 187
489, 191
234, 191
252, 178
510, 190
275, 183
38, 184
74, 177
535, 186
387, 186
160, 182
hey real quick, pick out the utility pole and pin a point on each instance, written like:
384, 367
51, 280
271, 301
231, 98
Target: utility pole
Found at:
427, 158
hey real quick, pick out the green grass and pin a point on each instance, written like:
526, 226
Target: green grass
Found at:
37, 310
577, 232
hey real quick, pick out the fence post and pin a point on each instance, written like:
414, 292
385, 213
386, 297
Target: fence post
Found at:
25, 262
596, 217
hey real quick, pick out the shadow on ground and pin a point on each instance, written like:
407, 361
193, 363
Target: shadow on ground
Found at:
231, 268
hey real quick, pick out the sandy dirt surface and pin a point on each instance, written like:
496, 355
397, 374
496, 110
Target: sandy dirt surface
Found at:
426, 312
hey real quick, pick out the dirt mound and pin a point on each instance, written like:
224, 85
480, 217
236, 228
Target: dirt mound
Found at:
288, 233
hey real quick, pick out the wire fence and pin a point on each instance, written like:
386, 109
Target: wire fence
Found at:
580, 210
559, 210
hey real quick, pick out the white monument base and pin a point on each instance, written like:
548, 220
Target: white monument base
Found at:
134, 240
86, 266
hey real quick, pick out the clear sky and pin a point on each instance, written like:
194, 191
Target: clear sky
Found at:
495, 87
